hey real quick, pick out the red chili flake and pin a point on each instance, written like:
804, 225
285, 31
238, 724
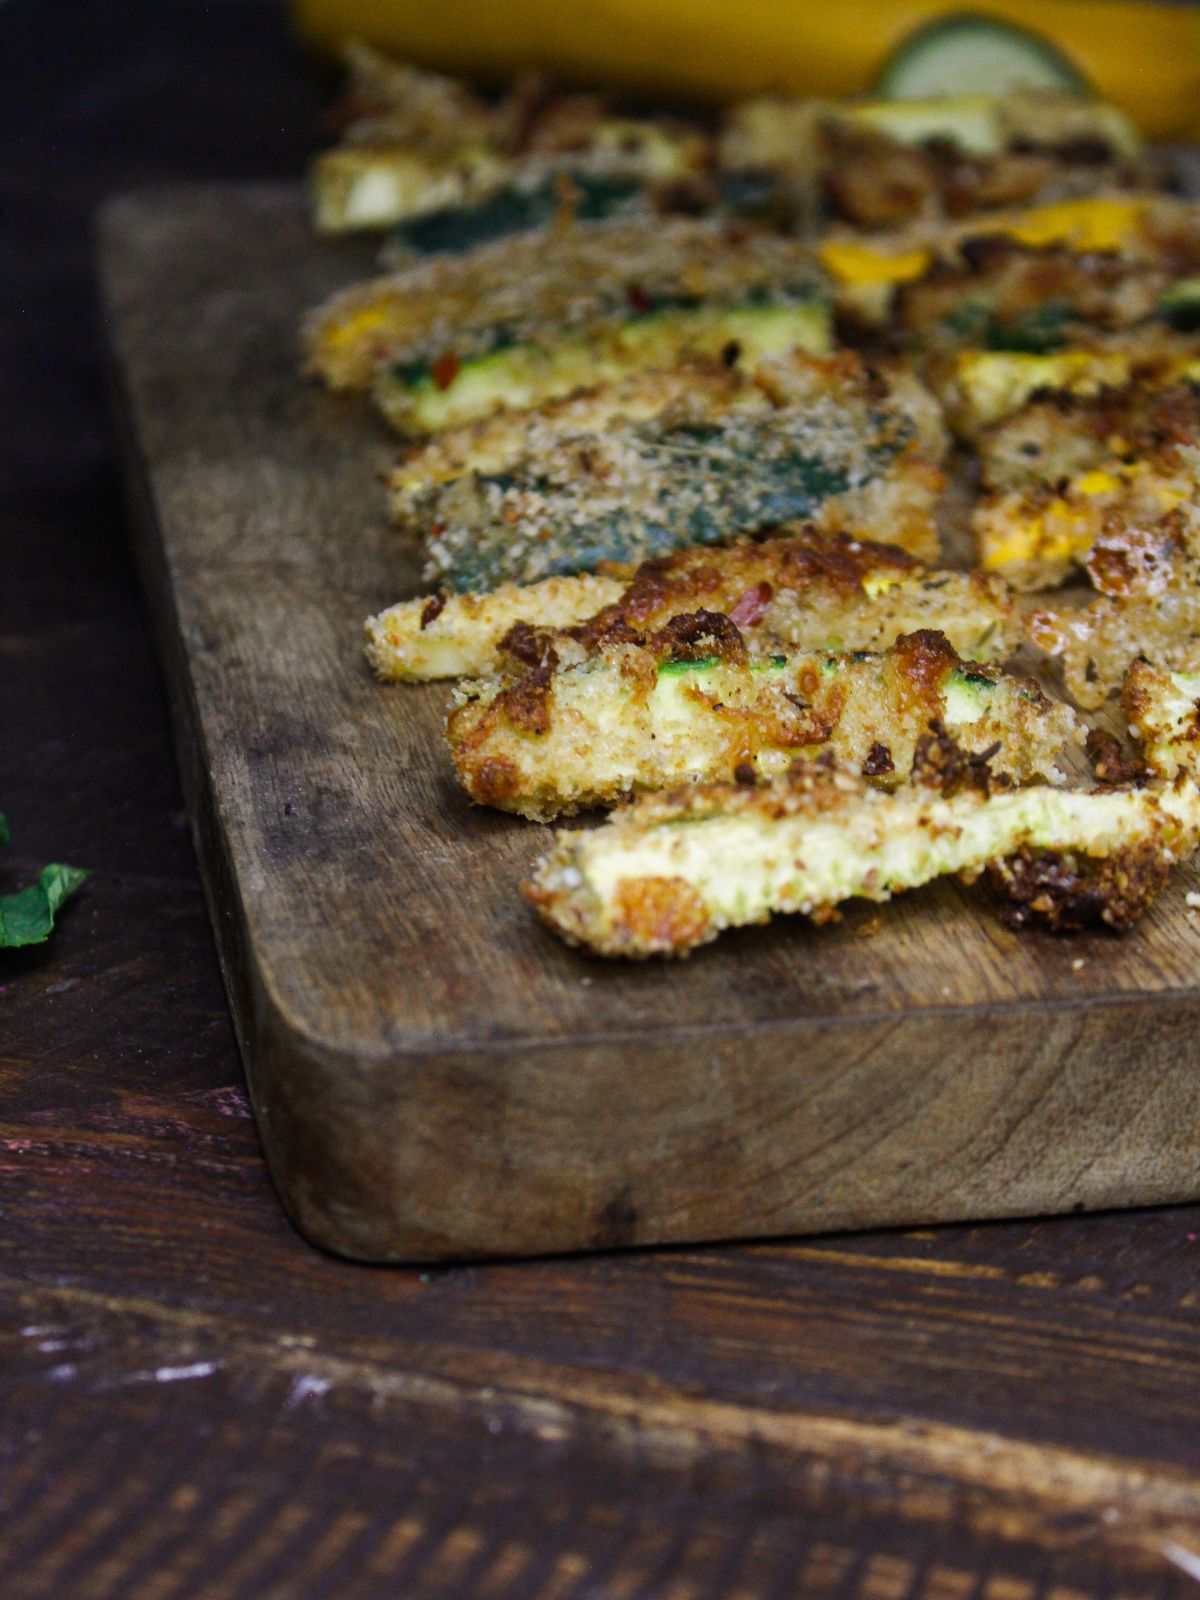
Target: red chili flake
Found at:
432, 609
445, 369
751, 606
638, 299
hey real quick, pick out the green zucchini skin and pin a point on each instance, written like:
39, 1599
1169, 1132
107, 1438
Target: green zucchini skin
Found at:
686, 483
970, 54
1180, 306
1035, 332
521, 207
516, 208
500, 337
1055, 325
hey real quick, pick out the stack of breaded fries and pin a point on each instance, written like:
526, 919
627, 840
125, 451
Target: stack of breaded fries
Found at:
690, 421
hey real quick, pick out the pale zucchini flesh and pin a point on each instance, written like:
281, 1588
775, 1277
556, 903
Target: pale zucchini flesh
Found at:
530, 373
667, 875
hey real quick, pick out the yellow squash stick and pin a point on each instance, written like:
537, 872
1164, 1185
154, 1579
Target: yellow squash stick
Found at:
1143, 56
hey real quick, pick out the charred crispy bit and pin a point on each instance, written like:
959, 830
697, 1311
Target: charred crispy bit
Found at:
687, 704
432, 609
524, 705
725, 454
525, 320
1110, 763
941, 762
1066, 892
819, 836
878, 764
803, 591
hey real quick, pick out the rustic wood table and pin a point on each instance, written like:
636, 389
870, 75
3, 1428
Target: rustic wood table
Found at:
195, 1403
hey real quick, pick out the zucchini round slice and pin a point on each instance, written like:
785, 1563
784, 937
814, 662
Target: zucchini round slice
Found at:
973, 54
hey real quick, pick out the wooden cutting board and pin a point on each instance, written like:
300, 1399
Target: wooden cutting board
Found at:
433, 1074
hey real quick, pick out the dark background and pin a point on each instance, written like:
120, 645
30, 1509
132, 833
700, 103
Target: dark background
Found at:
192, 1401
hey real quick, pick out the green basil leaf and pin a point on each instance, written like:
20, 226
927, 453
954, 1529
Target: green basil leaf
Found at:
28, 916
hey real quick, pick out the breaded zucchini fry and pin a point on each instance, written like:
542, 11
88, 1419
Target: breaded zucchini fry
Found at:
526, 319
1159, 620
491, 444
527, 200
390, 101
804, 591
1162, 710
421, 146
452, 636
668, 873
414, 141
806, 438
688, 704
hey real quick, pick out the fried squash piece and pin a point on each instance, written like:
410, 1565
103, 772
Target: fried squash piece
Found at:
689, 705
527, 319
981, 388
885, 164
1029, 280
726, 454
803, 591
668, 872
1109, 480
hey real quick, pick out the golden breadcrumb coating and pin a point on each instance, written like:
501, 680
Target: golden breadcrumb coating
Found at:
1157, 617
689, 704
803, 591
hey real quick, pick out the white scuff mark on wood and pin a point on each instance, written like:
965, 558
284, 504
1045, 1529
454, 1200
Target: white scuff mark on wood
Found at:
306, 1387
1186, 1560
197, 1369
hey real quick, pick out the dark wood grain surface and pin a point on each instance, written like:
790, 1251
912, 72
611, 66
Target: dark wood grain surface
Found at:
195, 1403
